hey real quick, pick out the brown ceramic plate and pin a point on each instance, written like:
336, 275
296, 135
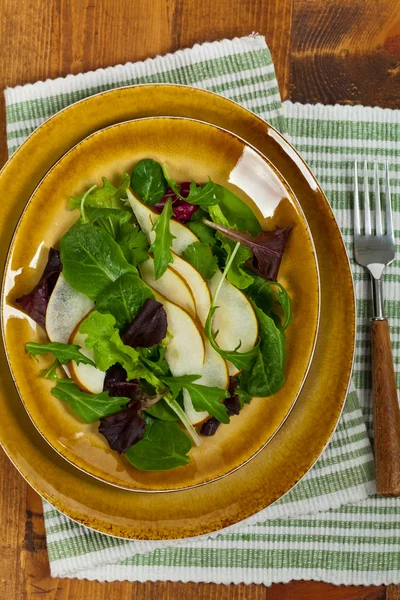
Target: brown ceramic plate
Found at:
310, 424
191, 150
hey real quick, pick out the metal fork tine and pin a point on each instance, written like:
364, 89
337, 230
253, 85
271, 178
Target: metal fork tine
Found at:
378, 216
389, 216
357, 230
367, 209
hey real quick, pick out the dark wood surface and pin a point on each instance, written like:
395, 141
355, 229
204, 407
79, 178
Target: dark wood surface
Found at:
345, 51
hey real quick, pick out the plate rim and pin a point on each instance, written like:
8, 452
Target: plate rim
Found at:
282, 143
3, 303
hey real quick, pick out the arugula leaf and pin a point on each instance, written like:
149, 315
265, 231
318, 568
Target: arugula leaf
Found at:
106, 196
267, 375
237, 213
89, 407
91, 260
241, 360
244, 397
109, 219
108, 349
201, 258
161, 246
148, 181
162, 411
63, 352
204, 398
164, 446
124, 298
51, 372
207, 194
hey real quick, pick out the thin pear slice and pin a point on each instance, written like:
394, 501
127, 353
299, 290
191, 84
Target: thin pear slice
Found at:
147, 217
197, 285
235, 319
185, 352
214, 374
87, 378
65, 310
171, 285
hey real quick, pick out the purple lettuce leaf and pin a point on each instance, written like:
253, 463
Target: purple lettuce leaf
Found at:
116, 385
35, 302
268, 247
232, 404
124, 429
182, 210
148, 328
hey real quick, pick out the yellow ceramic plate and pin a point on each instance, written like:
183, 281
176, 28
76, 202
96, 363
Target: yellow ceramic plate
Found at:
191, 150
309, 426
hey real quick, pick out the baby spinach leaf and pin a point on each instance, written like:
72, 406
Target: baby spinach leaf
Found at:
162, 411
91, 260
204, 398
148, 181
267, 374
161, 246
238, 214
164, 446
63, 352
89, 407
106, 196
124, 298
201, 258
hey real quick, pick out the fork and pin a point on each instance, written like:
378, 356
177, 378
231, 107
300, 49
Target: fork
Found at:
375, 252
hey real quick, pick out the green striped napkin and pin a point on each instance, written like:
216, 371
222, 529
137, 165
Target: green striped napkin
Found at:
330, 527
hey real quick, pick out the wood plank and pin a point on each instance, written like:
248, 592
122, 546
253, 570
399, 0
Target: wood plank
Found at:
346, 51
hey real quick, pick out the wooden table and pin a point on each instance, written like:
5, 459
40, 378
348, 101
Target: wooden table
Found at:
345, 51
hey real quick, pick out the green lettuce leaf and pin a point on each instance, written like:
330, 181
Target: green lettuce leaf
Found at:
63, 352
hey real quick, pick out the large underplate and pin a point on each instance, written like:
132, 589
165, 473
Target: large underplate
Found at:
191, 150
309, 426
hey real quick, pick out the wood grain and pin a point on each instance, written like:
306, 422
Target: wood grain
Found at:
328, 51
386, 412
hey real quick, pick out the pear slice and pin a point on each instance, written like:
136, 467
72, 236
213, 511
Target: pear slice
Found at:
147, 217
213, 374
197, 285
89, 379
66, 308
235, 319
185, 352
171, 285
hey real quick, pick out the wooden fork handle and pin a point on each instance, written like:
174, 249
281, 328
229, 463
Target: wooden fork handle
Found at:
386, 412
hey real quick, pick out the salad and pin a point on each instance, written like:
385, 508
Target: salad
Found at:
162, 307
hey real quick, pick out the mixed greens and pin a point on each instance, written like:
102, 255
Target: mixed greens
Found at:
164, 308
